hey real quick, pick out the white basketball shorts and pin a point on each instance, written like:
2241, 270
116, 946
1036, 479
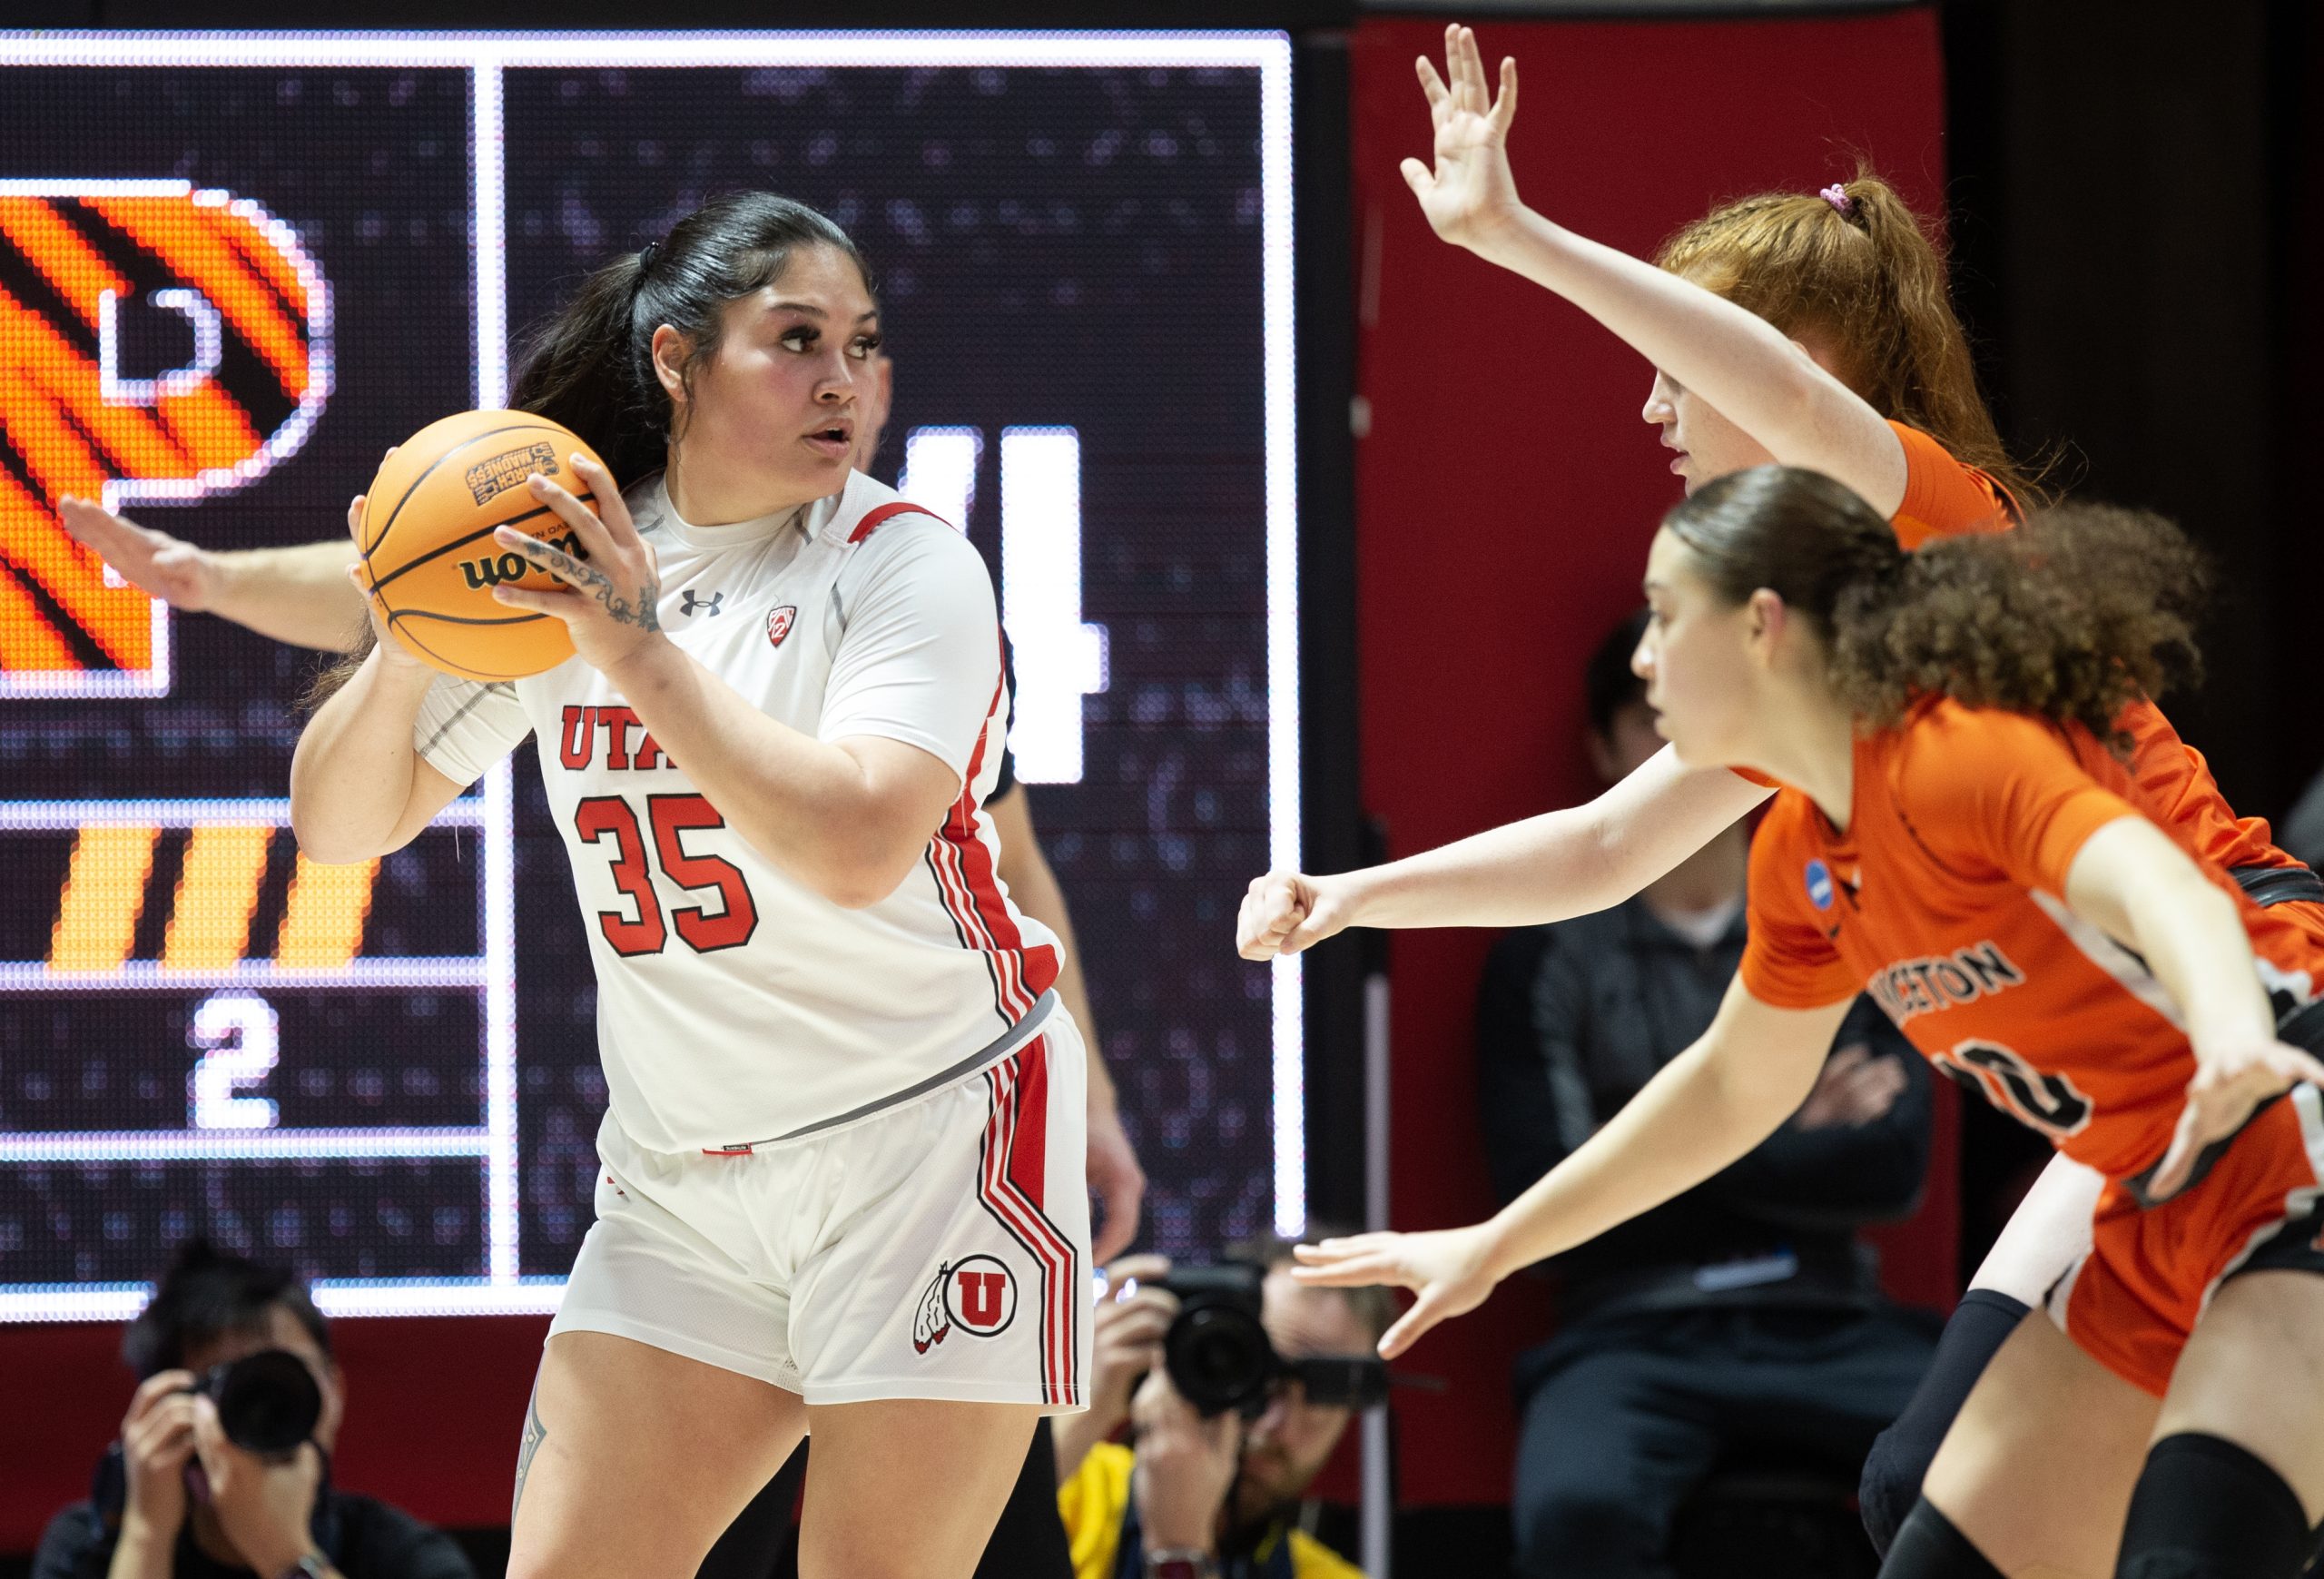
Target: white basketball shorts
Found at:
939, 1249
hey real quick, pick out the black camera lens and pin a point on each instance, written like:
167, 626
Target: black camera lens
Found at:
268, 1402
1216, 1353
1218, 1358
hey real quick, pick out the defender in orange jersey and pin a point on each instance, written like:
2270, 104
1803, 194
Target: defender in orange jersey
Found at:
1954, 834
1812, 329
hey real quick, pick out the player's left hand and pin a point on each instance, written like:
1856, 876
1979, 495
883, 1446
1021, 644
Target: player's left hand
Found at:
2230, 1080
1450, 1269
266, 1506
609, 599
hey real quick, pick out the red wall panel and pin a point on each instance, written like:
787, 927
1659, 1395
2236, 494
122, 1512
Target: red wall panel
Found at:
1506, 490
434, 1408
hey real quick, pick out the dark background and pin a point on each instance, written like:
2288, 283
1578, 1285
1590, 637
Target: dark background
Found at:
371, 168
2135, 195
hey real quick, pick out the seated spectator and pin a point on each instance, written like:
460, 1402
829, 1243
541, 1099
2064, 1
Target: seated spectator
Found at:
176, 1500
1743, 1315
1195, 1497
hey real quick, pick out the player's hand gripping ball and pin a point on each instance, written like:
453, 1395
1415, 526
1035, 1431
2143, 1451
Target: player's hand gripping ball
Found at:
430, 560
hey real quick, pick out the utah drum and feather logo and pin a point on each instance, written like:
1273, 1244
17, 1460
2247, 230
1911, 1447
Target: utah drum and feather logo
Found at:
977, 1294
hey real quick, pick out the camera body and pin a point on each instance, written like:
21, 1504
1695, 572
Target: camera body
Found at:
268, 1404
1219, 1357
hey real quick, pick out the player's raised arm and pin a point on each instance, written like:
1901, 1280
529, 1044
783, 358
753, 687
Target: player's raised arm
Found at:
1758, 379
358, 786
1706, 1108
299, 595
1548, 868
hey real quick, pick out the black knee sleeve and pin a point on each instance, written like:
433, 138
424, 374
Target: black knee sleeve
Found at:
1900, 1457
1927, 1546
2207, 1509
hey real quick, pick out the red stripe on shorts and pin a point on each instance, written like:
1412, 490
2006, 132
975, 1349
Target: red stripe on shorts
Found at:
999, 1192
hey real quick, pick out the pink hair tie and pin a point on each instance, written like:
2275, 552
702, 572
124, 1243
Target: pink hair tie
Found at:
1837, 196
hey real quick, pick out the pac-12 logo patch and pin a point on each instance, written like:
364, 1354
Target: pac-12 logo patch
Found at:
978, 1295
778, 622
1819, 884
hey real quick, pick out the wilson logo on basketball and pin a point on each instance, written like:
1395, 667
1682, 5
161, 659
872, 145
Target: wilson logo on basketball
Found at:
978, 1295
505, 470
778, 622
494, 569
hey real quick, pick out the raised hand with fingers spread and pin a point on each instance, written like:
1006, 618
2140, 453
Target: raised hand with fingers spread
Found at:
1469, 195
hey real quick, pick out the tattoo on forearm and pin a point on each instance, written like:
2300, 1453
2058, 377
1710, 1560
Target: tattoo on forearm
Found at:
535, 1435
587, 579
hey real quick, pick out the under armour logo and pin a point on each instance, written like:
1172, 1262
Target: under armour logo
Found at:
693, 605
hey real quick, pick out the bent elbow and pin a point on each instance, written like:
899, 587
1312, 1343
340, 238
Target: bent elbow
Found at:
849, 896
324, 843
865, 880
321, 847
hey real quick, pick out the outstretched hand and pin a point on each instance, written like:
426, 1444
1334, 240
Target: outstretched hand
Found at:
1471, 195
172, 569
2229, 1083
1451, 1270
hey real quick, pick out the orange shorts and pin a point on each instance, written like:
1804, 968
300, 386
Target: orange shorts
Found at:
2131, 1302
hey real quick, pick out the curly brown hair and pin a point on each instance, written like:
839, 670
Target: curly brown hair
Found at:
1870, 286
2072, 616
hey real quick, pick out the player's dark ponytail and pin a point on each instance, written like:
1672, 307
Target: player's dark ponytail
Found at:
590, 366
2074, 615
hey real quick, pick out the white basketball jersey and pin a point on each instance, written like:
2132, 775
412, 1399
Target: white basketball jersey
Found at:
736, 1005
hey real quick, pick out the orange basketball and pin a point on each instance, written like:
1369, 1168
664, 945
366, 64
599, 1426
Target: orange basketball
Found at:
428, 546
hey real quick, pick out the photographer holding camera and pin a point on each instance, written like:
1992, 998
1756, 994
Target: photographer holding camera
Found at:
1236, 1383
222, 1467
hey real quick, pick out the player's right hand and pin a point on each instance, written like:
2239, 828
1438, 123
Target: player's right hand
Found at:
172, 569
1286, 911
156, 1443
1470, 195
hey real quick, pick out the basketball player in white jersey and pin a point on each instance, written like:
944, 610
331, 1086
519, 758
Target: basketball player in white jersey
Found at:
842, 1171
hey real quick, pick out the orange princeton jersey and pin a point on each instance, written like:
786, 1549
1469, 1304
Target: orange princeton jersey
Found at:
1946, 498
1945, 899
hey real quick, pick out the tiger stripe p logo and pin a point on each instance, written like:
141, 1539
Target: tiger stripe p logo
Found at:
86, 265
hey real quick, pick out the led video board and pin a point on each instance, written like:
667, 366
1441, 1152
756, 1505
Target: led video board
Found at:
237, 267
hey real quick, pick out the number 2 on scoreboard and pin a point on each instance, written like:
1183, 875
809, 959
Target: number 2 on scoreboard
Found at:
599, 818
